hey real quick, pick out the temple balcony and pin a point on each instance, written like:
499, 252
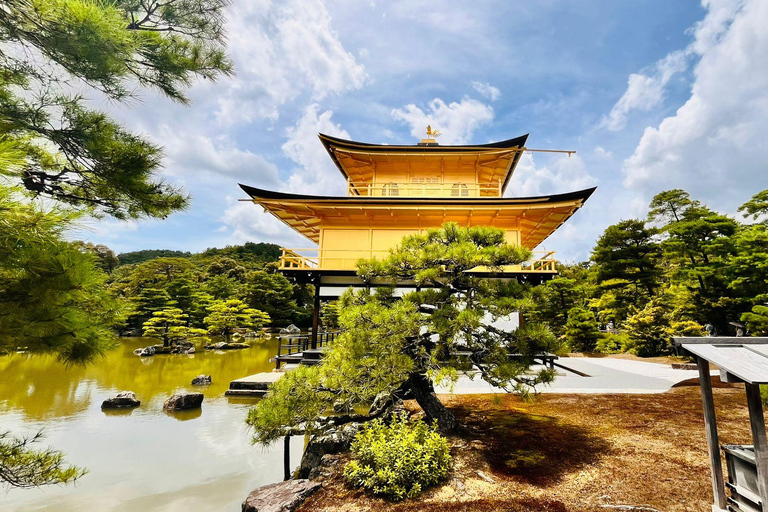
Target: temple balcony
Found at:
424, 189
543, 262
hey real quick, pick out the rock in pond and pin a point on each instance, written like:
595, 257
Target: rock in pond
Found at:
184, 401
223, 345
145, 352
121, 400
202, 380
280, 497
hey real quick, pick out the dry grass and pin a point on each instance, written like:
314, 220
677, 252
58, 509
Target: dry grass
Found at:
564, 453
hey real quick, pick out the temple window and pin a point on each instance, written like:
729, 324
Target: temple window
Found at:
459, 189
390, 189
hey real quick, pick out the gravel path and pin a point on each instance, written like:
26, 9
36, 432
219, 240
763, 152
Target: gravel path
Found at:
606, 375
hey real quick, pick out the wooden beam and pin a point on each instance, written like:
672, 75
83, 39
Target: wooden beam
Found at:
757, 422
315, 314
713, 443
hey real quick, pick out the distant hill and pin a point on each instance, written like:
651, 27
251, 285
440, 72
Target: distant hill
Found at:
248, 252
131, 258
251, 252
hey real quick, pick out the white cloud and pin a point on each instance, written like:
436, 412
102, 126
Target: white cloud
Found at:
600, 153
317, 174
714, 146
247, 222
645, 92
564, 174
487, 90
456, 121
282, 49
192, 156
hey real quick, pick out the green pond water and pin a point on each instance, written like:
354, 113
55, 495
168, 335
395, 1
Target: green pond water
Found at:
142, 459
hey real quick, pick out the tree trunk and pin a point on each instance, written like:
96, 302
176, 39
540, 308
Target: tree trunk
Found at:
432, 407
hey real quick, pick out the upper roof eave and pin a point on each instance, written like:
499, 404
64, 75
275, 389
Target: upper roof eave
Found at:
329, 142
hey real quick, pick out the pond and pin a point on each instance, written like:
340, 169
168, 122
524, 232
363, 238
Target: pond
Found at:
141, 459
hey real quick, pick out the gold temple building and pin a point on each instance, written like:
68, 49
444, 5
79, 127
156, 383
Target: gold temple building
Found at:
399, 190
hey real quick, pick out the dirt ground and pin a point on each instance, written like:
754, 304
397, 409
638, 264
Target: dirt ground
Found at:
563, 453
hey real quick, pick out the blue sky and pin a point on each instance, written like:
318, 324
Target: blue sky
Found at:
651, 94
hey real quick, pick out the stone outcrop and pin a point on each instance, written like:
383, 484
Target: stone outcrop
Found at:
202, 380
184, 401
123, 399
319, 446
291, 329
145, 352
223, 345
280, 497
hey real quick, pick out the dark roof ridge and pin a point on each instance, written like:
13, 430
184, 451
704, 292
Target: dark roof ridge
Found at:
551, 198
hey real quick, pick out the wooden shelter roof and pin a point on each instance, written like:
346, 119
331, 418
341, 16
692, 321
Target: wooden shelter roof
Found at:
743, 358
536, 217
359, 161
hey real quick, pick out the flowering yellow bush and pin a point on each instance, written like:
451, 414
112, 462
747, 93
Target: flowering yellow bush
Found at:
398, 460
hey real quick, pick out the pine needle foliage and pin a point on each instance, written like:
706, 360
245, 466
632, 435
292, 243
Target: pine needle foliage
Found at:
390, 346
53, 295
54, 51
225, 316
22, 466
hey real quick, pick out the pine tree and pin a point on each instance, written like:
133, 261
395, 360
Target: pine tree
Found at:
61, 148
226, 316
581, 330
392, 347
170, 326
53, 296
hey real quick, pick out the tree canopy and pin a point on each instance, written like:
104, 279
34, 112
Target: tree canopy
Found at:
684, 267
390, 347
56, 146
53, 294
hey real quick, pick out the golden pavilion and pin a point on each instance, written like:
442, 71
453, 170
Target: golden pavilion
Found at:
394, 191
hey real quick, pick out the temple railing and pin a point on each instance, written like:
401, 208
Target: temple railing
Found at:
341, 259
400, 189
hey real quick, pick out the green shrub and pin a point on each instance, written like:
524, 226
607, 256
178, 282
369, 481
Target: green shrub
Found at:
399, 460
649, 331
581, 330
757, 320
612, 343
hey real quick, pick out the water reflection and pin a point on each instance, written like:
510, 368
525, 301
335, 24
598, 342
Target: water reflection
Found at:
140, 458
42, 388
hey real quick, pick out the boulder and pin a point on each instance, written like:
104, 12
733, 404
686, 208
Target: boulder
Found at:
223, 345
191, 350
121, 400
319, 446
291, 329
202, 380
280, 497
184, 401
145, 352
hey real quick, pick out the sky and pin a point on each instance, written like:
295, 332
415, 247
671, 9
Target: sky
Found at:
651, 94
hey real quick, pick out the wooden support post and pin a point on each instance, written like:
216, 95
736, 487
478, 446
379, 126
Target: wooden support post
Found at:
316, 315
287, 458
757, 422
713, 443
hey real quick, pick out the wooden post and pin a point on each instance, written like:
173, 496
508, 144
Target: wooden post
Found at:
757, 422
316, 315
287, 458
713, 443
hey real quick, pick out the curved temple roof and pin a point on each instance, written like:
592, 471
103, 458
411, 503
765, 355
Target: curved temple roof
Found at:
537, 217
494, 163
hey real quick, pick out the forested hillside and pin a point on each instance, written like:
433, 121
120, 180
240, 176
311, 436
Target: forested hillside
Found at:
161, 279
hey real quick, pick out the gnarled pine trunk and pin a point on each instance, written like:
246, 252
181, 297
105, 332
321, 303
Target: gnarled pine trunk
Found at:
432, 407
